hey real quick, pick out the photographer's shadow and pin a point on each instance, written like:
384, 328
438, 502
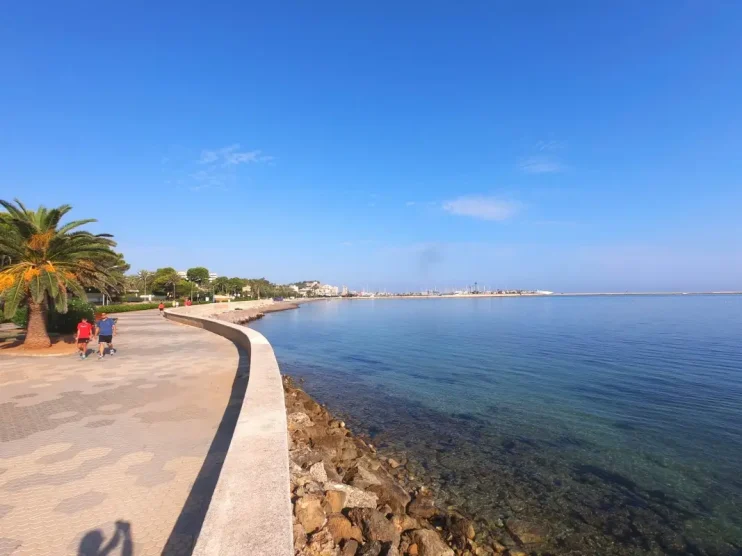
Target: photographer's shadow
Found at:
92, 543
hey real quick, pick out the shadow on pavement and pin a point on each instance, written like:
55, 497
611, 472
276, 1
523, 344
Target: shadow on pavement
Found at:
92, 543
184, 534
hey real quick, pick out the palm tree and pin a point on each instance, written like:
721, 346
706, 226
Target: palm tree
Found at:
48, 262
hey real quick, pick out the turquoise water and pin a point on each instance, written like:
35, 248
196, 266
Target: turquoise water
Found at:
614, 421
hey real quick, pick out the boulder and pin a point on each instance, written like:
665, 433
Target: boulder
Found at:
355, 497
525, 531
429, 543
298, 420
422, 506
308, 511
318, 473
300, 536
342, 529
321, 544
372, 548
405, 523
374, 525
335, 500
350, 548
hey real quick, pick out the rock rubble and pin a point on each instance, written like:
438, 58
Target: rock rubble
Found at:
348, 501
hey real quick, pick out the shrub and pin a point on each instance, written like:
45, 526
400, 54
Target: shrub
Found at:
128, 308
66, 323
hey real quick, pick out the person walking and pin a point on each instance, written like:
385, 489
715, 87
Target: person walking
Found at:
161, 307
188, 302
82, 337
106, 330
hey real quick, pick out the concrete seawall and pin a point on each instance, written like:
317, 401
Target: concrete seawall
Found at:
250, 511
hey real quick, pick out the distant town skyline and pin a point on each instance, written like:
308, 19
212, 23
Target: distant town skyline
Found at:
570, 147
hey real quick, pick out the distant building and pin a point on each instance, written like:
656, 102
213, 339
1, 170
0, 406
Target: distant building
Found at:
294, 288
326, 290
213, 276
345, 290
247, 289
183, 274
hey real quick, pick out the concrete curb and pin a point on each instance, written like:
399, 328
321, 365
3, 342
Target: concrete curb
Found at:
250, 511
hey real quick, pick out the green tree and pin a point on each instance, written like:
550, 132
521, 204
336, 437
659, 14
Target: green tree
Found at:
165, 280
145, 278
198, 274
221, 284
235, 285
48, 262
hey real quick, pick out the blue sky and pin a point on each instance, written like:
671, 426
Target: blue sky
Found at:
571, 146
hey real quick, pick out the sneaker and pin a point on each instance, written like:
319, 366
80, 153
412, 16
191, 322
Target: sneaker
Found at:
100, 356
112, 351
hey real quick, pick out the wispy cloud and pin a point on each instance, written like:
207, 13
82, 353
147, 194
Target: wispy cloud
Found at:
482, 207
550, 145
232, 156
410, 203
541, 165
347, 243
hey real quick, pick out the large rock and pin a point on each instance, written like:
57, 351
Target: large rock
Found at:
308, 510
321, 544
525, 531
429, 543
298, 420
405, 522
369, 475
372, 548
355, 497
300, 536
342, 529
350, 548
374, 525
422, 506
335, 500
318, 473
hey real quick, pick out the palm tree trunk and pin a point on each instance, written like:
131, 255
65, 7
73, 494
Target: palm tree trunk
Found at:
36, 334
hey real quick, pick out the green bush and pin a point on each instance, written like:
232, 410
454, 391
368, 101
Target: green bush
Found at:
21, 317
128, 308
66, 323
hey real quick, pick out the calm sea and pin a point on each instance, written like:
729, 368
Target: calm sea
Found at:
614, 422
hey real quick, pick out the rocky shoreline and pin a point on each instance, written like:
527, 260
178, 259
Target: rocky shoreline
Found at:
350, 501
244, 316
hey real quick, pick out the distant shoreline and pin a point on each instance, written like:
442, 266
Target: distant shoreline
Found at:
452, 296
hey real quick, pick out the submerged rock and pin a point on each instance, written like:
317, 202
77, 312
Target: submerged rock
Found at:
422, 506
429, 543
526, 532
374, 525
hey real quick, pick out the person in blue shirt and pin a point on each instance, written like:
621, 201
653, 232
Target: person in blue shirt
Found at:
106, 330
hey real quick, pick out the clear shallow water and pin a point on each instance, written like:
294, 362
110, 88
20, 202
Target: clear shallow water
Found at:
614, 421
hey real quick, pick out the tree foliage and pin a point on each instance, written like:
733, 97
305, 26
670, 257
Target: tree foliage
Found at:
198, 274
48, 261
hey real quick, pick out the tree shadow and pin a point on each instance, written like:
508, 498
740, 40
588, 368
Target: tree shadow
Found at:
92, 543
182, 538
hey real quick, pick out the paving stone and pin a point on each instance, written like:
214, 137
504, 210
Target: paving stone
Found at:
96, 452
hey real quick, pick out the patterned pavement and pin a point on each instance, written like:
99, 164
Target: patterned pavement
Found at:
117, 456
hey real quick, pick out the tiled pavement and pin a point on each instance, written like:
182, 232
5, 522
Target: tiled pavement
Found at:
101, 457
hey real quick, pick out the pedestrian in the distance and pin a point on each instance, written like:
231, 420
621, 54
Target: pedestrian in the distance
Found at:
161, 307
188, 302
106, 330
82, 337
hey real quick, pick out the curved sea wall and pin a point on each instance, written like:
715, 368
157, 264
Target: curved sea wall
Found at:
250, 511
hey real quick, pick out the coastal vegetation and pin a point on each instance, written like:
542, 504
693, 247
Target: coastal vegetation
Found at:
45, 262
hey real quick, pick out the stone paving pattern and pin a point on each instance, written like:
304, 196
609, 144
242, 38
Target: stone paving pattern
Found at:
100, 457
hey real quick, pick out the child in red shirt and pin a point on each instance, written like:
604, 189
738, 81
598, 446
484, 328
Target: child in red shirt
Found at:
161, 307
84, 330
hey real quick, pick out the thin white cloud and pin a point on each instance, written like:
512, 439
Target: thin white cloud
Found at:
550, 145
346, 243
541, 165
410, 203
482, 207
232, 156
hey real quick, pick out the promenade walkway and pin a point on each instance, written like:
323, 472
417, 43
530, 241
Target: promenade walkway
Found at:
121, 453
